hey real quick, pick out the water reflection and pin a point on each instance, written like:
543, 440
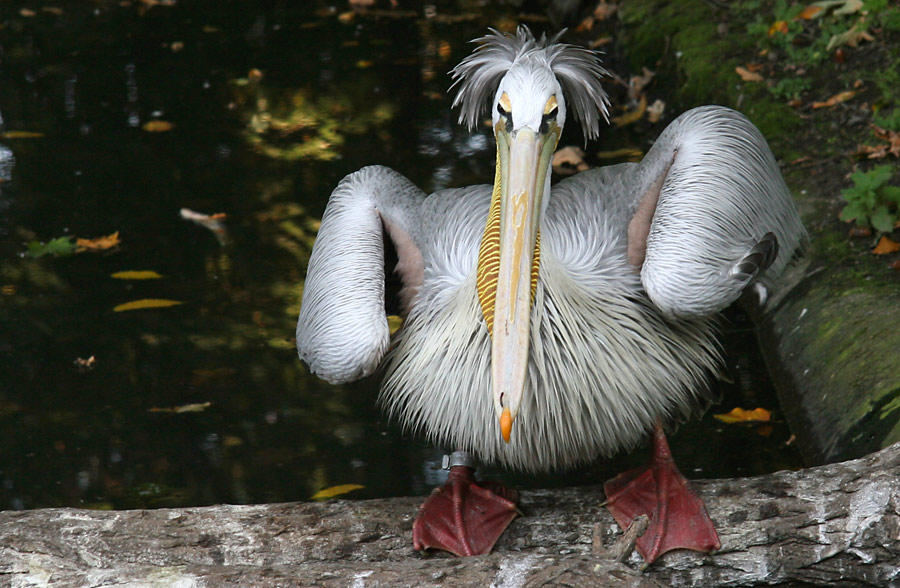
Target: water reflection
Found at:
269, 107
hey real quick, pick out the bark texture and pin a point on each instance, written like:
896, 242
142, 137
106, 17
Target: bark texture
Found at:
835, 525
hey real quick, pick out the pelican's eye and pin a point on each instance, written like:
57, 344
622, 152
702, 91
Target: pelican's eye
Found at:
551, 109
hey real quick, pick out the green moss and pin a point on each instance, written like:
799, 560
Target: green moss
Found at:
698, 62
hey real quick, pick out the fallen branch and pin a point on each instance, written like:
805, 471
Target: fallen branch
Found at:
835, 525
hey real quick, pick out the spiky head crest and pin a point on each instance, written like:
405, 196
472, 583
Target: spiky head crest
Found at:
577, 70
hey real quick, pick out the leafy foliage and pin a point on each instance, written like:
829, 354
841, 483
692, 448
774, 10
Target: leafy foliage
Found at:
61, 246
871, 201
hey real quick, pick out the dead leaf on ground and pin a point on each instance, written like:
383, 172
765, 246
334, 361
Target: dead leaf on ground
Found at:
886, 245
810, 12
778, 27
857, 231
158, 126
569, 160
747, 75
636, 84
836, 99
890, 147
333, 491
146, 303
631, 116
656, 110
98, 244
850, 38
740, 415
600, 42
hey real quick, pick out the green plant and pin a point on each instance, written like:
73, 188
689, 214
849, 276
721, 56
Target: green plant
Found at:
871, 201
789, 88
889, 120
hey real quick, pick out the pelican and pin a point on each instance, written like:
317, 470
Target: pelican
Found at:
546, 326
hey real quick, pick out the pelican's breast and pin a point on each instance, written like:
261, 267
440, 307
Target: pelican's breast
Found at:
604, 364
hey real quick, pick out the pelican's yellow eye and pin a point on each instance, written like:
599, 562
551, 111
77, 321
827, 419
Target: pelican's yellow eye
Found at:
504, 107
551, 108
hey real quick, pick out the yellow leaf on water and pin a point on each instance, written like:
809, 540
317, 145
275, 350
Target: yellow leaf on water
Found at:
394, 323
740, 415
158, 126
136, 275
146, 303
335, 491
21, 135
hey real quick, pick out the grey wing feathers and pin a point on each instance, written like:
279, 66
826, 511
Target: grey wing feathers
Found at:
342, 332
761, 256
720, 198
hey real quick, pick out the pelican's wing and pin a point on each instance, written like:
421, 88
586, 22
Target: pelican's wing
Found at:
342, 332
711, 213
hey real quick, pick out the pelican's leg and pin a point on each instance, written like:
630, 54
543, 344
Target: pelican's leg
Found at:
463, 516
678, 518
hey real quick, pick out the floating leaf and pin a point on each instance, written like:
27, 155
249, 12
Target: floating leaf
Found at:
136, 275
21, 135
335, 491
740, 415
629, 153
146, 303
85, 365
886, 245
394, 323
213, 222
98, 244
158, 126
61, 246
195, 407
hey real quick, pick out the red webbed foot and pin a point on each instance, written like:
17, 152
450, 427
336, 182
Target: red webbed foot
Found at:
678, 517
463, 516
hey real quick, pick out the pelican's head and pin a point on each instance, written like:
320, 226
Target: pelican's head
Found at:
526, 79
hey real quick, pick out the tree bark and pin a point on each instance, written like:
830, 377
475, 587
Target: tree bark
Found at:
834, 525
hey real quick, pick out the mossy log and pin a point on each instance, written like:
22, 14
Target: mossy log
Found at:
832, 343
835, 525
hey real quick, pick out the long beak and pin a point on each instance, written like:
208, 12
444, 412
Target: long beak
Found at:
522, 167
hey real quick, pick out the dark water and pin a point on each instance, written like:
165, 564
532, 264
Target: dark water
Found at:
270, 105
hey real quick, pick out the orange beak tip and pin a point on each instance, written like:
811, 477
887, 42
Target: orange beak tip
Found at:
506, 424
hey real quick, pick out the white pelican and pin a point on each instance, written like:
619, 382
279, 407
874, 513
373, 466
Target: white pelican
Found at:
547, 326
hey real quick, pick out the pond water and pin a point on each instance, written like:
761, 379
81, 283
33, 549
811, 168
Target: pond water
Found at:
256, 110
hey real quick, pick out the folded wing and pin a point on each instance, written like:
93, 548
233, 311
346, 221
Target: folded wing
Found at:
711, 213
342, 332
